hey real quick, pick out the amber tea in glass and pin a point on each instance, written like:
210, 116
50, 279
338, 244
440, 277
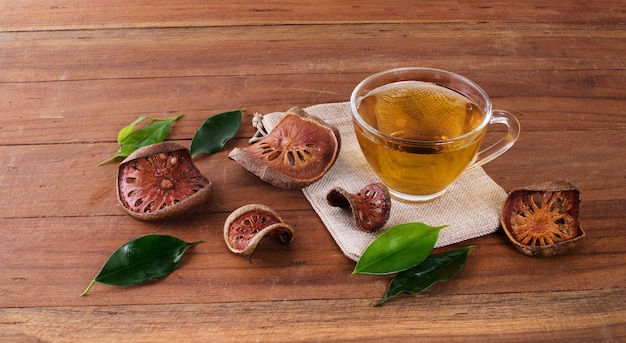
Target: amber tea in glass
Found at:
419, 132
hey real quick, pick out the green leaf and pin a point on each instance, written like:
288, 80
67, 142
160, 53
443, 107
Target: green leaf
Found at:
141, 259
125, 132
213, 134
130, 139
400, 247
436, 268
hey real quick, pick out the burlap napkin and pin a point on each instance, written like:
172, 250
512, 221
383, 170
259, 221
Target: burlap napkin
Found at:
471, 206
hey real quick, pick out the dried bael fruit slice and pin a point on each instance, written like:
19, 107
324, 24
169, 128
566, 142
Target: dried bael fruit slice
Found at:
542, 220
246, 226
160, 181
371, 206
299, 151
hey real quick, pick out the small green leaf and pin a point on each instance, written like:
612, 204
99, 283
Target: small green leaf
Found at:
155, 132
141, 259
125, 132
400, 247
130, 139
213, 134
436, 268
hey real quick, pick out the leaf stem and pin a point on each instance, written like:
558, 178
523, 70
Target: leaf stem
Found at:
194, 243
88, 287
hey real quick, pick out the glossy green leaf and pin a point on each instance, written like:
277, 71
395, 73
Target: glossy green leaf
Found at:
400, 247
130, 139
213, 134
141, 259
436, 268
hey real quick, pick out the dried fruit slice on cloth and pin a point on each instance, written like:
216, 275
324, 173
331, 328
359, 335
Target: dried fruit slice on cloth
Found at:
246, 226
371, 206
542, 220
160, 181
297, 152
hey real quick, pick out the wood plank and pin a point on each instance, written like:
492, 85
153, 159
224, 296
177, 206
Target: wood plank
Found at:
73, 112
510, 317
63, 15
300, 50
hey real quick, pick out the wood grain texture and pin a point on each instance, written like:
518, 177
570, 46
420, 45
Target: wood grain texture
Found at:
510, 317
74, 73
55, 15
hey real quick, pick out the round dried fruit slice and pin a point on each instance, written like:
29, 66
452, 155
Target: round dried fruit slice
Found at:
297, 152
160, 181
542, 220
246, 226
371, 206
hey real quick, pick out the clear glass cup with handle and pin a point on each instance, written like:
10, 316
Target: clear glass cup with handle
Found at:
421, 128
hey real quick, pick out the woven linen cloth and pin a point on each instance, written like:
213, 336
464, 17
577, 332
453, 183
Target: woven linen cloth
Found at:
470, 207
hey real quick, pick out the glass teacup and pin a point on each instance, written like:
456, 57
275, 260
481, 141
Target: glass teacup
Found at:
421, 128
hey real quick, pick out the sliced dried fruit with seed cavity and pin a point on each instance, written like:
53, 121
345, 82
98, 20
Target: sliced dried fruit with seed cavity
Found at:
246, 226
542, 220
160, 181
299, 151
371, 206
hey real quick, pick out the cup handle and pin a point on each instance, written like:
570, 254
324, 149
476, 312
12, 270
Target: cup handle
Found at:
505, 143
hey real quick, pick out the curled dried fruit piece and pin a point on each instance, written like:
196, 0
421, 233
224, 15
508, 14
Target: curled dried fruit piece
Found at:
299, 151
246, 226
542, 220
160, 181
371, 206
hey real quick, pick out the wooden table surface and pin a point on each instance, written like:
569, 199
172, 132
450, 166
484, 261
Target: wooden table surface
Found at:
75, 72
